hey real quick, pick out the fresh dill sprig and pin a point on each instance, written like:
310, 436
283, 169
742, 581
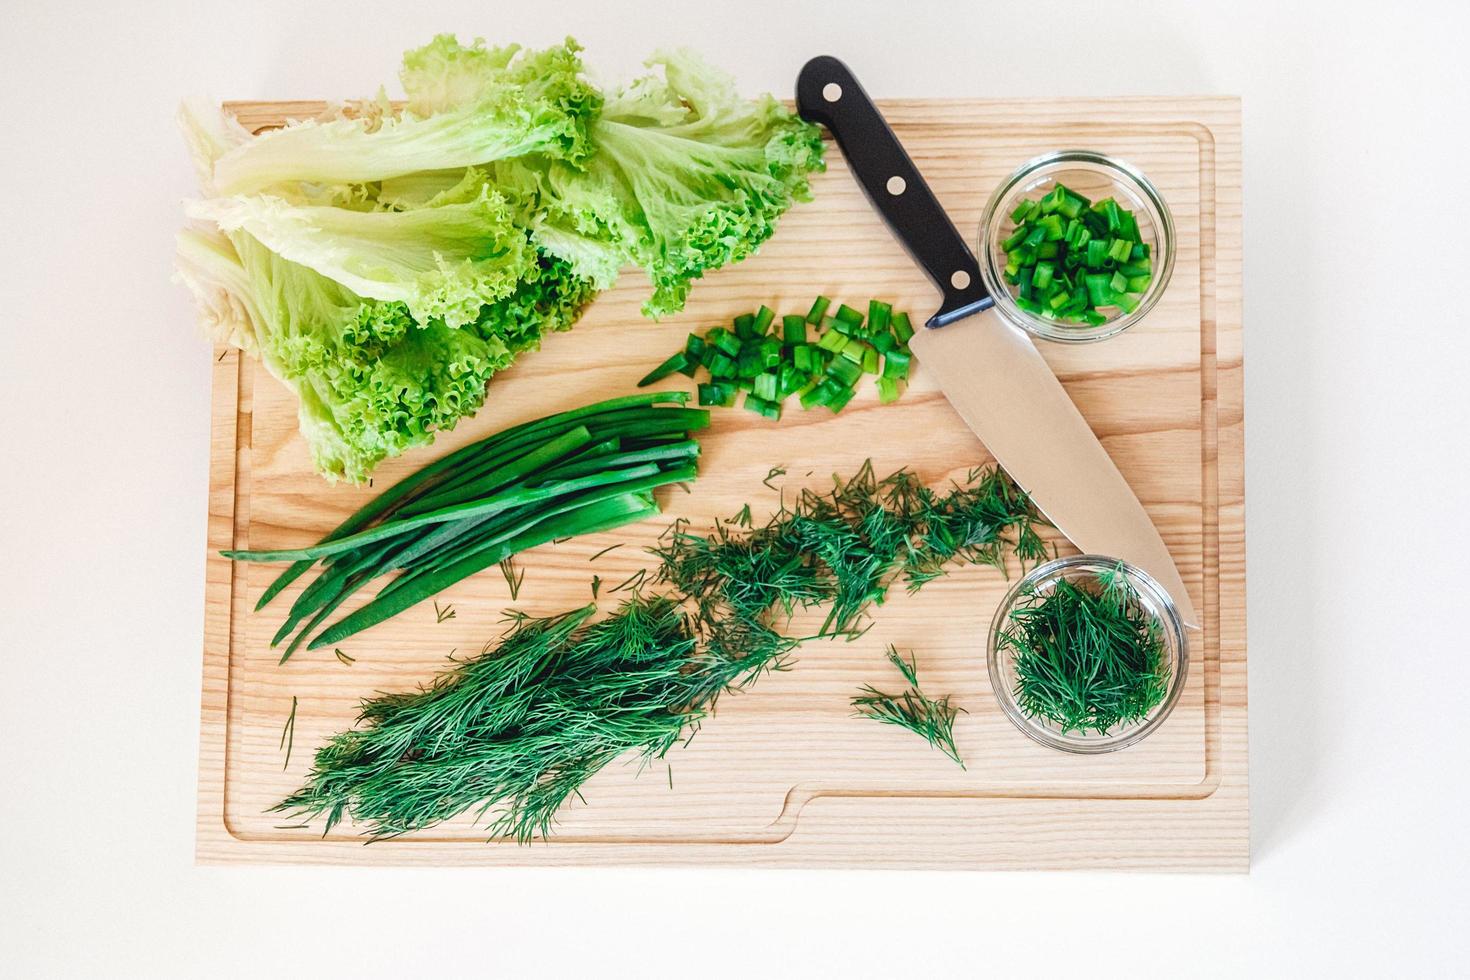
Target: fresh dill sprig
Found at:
440, 615
513, 577
912, 710
774, 472
1087, 655
288, 735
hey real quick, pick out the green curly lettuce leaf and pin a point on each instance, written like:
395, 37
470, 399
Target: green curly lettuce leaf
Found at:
443, 260
516, 102
686, 177
371, 380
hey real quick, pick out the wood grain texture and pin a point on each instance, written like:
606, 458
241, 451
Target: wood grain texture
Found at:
783, 775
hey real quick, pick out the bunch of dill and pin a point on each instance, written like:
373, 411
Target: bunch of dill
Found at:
514, 732
521, 727
1087, 655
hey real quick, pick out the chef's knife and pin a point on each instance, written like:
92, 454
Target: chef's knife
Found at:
989, 369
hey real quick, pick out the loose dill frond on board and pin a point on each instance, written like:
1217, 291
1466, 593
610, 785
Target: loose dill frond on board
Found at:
1088, 655
912, 710
841, 550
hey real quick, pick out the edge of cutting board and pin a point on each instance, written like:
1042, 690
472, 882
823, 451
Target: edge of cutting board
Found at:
1205, 830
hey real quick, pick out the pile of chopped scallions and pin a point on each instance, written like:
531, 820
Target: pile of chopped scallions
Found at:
818, 358
580, 471
1071, 259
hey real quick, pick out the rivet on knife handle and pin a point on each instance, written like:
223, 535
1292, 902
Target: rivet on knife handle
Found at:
828, 93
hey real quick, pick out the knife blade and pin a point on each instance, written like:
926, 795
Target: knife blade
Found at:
989, 369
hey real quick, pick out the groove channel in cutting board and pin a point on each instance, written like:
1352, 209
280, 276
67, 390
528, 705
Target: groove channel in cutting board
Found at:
786, 756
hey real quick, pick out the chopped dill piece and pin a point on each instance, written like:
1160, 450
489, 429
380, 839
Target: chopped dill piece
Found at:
930, 719
596, 584
288, 735
604, 551
349, 661
513, 579
775, 472
632, 582
440, 615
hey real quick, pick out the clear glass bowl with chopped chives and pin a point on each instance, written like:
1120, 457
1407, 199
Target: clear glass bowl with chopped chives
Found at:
1087, 654
1076, 246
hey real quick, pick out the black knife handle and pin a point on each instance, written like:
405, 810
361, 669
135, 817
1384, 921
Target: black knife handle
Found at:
828, 93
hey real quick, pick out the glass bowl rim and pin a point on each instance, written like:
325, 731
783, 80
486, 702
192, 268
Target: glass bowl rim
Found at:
1093, 744
1118, 170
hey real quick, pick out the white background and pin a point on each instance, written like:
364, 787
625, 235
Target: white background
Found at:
1357, 237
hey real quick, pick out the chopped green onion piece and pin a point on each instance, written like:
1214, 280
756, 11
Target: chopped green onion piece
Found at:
1015, 238
1023, 211
745, 326
855, 350
716, 393
764, 317
902, 329
832, 341
887, 391
818, 310
845, 371
1119, 282
721, 366
1041, 277
1139, 284
763, 406
896, 365
816, 394
838, 401
884, 342
878, 315
695, 347
1128, 226
1121, 249
678, 362
1127, 302
724, 340
848, 315
803, 357
791, 379
793, 329
765, 387
770, 352
870, 361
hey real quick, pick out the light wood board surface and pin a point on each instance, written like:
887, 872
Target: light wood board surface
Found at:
784, 775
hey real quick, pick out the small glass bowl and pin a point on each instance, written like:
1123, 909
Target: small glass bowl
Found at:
1153, 599
1096, 176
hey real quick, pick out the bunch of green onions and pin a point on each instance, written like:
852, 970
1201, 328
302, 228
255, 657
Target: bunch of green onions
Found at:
585, 470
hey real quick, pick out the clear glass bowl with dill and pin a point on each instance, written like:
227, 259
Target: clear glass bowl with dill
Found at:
1087, 655
1097, 177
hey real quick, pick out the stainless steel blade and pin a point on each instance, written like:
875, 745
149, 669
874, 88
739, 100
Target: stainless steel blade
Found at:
1006, 392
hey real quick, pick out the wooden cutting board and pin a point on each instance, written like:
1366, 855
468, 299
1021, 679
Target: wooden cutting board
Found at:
784, 775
